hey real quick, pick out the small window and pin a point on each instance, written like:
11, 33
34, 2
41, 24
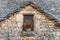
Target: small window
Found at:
28, 18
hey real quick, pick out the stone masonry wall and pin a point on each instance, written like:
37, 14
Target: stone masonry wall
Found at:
11, 28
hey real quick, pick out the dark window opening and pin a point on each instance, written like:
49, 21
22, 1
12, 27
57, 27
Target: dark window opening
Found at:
28, 18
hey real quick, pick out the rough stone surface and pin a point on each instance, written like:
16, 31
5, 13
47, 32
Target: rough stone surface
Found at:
51, 7
11, 28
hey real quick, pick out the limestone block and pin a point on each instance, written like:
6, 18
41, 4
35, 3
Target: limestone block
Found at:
19, 18
19, 25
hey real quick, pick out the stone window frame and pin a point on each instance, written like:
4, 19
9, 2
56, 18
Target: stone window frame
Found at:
21, 14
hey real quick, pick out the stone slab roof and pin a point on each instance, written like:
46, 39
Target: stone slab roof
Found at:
51, 7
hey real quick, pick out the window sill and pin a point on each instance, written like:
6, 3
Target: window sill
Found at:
31, 33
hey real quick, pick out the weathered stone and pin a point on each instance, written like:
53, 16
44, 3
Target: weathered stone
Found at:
52, 8
11, 28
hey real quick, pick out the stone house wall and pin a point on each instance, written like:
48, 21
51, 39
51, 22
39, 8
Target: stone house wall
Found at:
11, 28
